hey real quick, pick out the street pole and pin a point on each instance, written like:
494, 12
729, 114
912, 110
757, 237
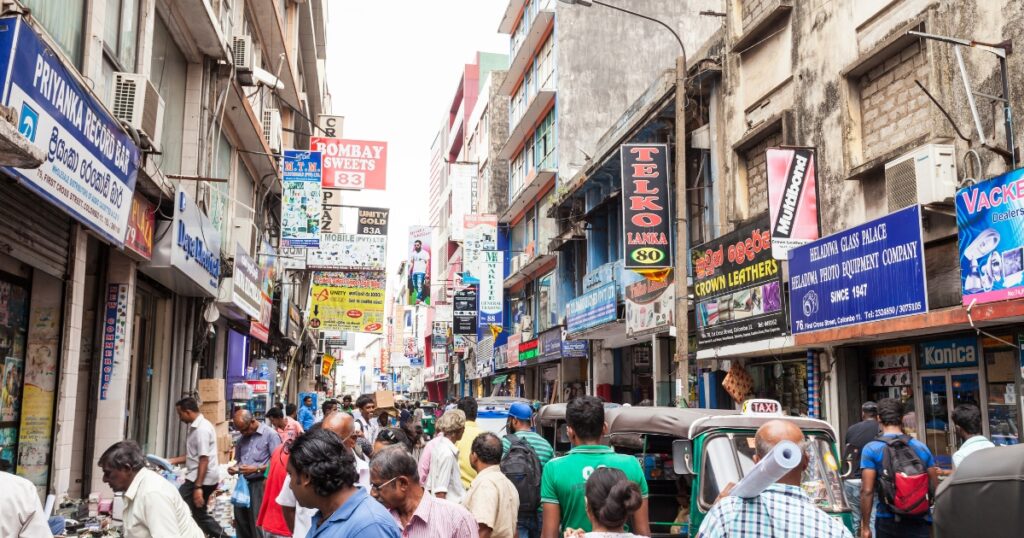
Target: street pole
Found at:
682, 236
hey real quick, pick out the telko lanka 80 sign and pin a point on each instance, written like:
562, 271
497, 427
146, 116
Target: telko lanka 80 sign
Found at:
646, 208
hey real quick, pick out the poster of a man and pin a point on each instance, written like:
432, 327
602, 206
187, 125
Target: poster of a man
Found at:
419, 265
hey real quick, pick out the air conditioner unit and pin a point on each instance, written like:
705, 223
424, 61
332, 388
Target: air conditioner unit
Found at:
241, 54
272, 128
516, 264
241, 232
926, 175
137, 103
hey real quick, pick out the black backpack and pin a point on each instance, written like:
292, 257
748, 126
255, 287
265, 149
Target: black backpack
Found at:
522, 466
903, 484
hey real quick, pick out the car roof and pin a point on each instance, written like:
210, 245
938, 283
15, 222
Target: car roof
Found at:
659, 420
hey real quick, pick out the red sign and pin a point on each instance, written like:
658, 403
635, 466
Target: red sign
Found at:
139, 236
646, 208
259, 386
352, 164
792, 199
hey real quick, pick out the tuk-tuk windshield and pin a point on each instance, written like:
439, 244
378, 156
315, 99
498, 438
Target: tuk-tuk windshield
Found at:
729, 457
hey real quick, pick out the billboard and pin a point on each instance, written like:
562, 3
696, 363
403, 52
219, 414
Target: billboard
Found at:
737, 287
870, 272
352, 164
372, 221
646, 208
990, 224
792, 199
348, 301
650, 307
419, 264
91, 163
481, 232
464, 311
301, 199
349, 252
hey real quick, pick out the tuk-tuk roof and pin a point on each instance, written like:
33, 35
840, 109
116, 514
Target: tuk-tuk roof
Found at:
659, 420
552, 412
733, 419
984, 495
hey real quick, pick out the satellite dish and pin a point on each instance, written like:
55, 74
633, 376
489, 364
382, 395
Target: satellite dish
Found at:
212, 313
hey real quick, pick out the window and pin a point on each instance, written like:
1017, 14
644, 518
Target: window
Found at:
64, 21
169, 72
757, 172
516, 174
547, 312
120, 32
546, 63
545, 143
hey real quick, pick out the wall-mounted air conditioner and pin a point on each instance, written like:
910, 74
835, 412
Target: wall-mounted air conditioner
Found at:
137, 103
242, 57
926, 175
516, 264
272, 128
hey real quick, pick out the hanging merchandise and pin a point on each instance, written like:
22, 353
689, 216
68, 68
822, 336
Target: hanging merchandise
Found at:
738, 383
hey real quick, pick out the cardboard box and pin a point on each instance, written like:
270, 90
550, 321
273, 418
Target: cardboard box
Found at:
215, 412
224, 443
384, 398
224, 457
211, 390
221, 429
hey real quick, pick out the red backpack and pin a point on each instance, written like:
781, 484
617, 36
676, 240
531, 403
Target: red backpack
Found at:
903, 483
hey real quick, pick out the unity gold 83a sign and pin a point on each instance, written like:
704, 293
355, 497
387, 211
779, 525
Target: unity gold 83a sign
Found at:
646, 209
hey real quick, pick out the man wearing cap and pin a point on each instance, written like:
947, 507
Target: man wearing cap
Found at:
859, 435
519, 423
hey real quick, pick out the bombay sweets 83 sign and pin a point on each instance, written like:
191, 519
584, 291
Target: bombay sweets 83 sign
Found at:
738, 288
91, 163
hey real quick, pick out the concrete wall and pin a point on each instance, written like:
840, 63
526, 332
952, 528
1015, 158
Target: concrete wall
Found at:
497, 125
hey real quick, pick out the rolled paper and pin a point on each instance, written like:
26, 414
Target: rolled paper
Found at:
783, 458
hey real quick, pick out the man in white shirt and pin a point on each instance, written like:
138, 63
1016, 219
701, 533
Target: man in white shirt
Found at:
152, 507
366, 426
200, 459
298, 517
444, 480
21, 513
967, 420
420, 261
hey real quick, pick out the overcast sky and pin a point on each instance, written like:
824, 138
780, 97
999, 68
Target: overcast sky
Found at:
392, 69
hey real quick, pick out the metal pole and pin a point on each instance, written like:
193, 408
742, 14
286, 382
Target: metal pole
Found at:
1007, 113
682, 234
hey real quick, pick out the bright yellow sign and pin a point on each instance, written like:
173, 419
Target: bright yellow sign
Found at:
326, 365
348, 301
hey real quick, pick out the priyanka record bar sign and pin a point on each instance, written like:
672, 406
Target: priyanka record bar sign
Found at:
646, 208
990, 222
792, 199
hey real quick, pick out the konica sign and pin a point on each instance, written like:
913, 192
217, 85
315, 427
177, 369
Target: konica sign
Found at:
948, 353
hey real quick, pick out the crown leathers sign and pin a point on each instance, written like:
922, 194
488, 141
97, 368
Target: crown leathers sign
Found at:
646, 208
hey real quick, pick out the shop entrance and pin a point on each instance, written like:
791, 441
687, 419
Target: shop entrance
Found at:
941, 392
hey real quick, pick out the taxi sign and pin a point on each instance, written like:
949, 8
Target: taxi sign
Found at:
762, 406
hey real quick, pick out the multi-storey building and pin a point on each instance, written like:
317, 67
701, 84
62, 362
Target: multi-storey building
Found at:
118, 285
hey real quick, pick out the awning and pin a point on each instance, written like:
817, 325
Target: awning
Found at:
499, 379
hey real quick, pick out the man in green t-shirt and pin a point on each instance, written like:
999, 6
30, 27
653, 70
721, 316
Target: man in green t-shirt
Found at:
564, 479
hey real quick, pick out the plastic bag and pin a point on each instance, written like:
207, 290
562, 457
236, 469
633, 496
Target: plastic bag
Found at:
240, 496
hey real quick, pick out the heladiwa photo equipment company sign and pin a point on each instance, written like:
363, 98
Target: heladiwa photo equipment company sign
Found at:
737, 285
990, 223
91, 163
646, 208
870, 272
792, 199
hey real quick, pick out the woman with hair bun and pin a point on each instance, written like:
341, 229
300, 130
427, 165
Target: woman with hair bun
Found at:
611, 501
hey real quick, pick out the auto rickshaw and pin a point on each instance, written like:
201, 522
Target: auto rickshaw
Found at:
550, 424
984, 495
429, 418
689, 455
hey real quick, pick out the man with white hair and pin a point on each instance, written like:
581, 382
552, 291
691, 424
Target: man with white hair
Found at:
444, 479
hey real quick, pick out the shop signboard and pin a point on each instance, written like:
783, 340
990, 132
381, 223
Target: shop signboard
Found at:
646, 209
512, 350
550, 345
301, 199
737, 287
500, 357
352, 164
438, 335
292, 258
326, 365
194, 248
141, 221
372, 221
870, 272
481, 232
461, 177
115, 324
990, 223
650, 307
349, 252
348, 301
259, 327
959, 352
464, 311
294, 330
528, 350
575, 349
488, 266
91, 162
792, 199
591, 309
418, 265
245, 283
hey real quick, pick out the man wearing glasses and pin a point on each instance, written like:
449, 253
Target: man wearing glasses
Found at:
343, 425
395, 482
253, 452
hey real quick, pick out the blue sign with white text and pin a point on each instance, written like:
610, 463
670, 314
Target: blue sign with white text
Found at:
91, 162
948, 353
990, 224
867, 273
592, 309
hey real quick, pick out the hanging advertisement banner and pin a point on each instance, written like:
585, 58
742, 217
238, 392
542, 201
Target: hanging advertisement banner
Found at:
115, 323
91, 163
443, 312
591, 309
650, 307
397, 327
372, 221
481, 232
646, 209
461, 177
438, 335
418, 264
292, 258
259, 327
352, 164
488, 266
330, 219
465, 311
326, 364
301, 199
737, 286
141, 221
792, 199
870, 272
348, 301
348, 252
990, 223
246, 282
